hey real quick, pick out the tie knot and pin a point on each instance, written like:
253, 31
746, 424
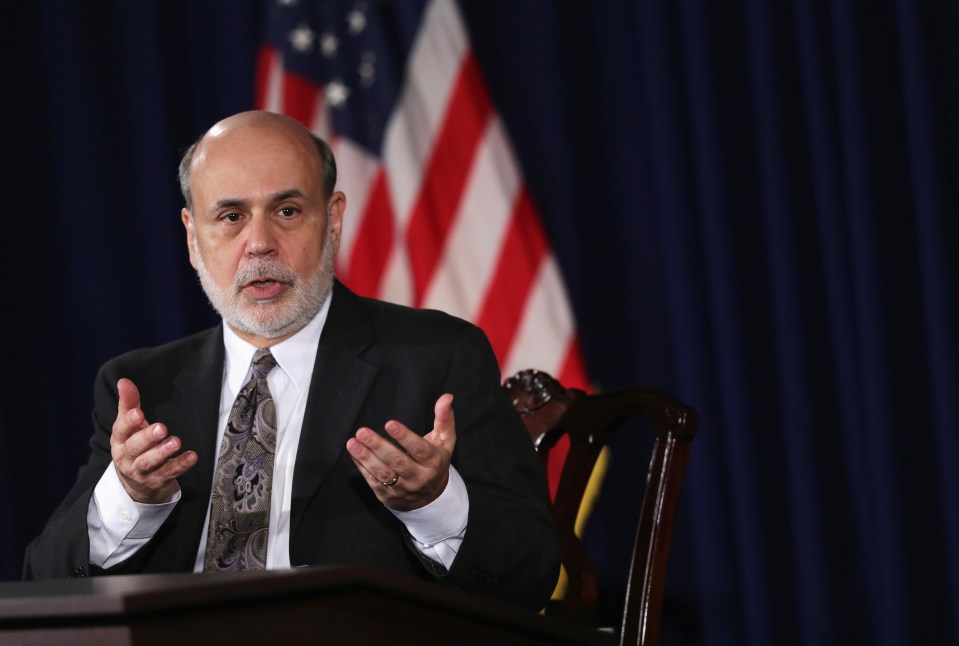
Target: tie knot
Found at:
263, 362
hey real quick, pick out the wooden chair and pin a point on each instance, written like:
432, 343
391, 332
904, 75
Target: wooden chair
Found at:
550, 412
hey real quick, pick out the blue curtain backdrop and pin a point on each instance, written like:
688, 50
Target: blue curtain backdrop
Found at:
753, 205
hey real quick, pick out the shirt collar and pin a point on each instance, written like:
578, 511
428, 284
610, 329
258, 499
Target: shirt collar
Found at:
295, 355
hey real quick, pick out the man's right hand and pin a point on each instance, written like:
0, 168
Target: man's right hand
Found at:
143, 454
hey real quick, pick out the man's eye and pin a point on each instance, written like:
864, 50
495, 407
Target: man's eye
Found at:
232, 217
288, 212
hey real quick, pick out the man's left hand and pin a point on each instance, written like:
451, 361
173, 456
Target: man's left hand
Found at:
415, 473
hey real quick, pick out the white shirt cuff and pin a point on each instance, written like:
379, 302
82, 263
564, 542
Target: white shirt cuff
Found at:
438, 528
118, 525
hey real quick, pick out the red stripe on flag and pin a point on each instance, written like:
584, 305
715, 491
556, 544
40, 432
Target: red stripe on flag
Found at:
572, 373
265, 61
520, 258
554, 465
374, 240
446, 173
299, 98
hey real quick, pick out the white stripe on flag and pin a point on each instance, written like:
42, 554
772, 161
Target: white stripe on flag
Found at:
356, 170
473, 246
320, 121
546, 329
431, 71
273, 95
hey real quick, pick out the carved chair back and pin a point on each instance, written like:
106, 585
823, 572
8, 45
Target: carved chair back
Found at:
551, 412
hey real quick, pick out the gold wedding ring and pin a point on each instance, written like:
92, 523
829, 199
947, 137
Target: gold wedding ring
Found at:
390, 483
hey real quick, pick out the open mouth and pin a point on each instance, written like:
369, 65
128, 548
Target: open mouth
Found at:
264, 289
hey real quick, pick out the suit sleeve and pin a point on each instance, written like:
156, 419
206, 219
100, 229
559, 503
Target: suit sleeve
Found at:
511, 549
63, 548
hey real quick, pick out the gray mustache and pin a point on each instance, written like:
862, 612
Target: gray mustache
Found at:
263, 269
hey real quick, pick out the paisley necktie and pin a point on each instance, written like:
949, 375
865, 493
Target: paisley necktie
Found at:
240, 505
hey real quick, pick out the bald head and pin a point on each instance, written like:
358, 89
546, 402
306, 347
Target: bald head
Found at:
252, 123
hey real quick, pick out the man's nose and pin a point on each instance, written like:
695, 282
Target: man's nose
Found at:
260, 240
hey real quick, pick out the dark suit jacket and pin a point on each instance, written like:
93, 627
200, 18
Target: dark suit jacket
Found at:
375, 362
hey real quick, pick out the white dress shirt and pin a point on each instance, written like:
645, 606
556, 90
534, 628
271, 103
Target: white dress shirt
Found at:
118, 526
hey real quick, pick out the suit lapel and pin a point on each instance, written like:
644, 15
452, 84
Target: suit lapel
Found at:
341, 379
192, 413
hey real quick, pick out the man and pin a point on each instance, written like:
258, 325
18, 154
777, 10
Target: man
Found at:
369, 464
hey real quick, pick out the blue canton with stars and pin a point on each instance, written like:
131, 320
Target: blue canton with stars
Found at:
356, 50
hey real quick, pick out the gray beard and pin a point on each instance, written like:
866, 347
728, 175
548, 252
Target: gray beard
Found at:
268, 319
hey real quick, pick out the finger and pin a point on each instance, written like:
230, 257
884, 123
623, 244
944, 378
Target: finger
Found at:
378, 460
174, 467
443, 436
383, 449
157, 484
144, 440
444, 424
129, 416
370, 478
416, 447
157, 459
129, 396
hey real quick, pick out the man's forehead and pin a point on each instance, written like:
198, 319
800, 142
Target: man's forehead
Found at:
254, 174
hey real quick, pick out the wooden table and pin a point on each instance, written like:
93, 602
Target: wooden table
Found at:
357, 605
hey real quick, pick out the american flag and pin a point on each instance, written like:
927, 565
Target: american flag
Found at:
438, 214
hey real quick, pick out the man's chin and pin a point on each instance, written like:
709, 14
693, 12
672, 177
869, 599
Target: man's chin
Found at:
265, 329
268, 319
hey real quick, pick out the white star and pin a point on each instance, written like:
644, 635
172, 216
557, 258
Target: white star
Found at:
302, 38
357, 20
337, 94
367, 69
329, 43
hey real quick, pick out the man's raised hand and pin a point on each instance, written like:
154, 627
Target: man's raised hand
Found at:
143, 454
415, 473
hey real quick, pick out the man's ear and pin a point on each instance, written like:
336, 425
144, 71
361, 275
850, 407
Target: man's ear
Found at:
190, 234
336, 209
